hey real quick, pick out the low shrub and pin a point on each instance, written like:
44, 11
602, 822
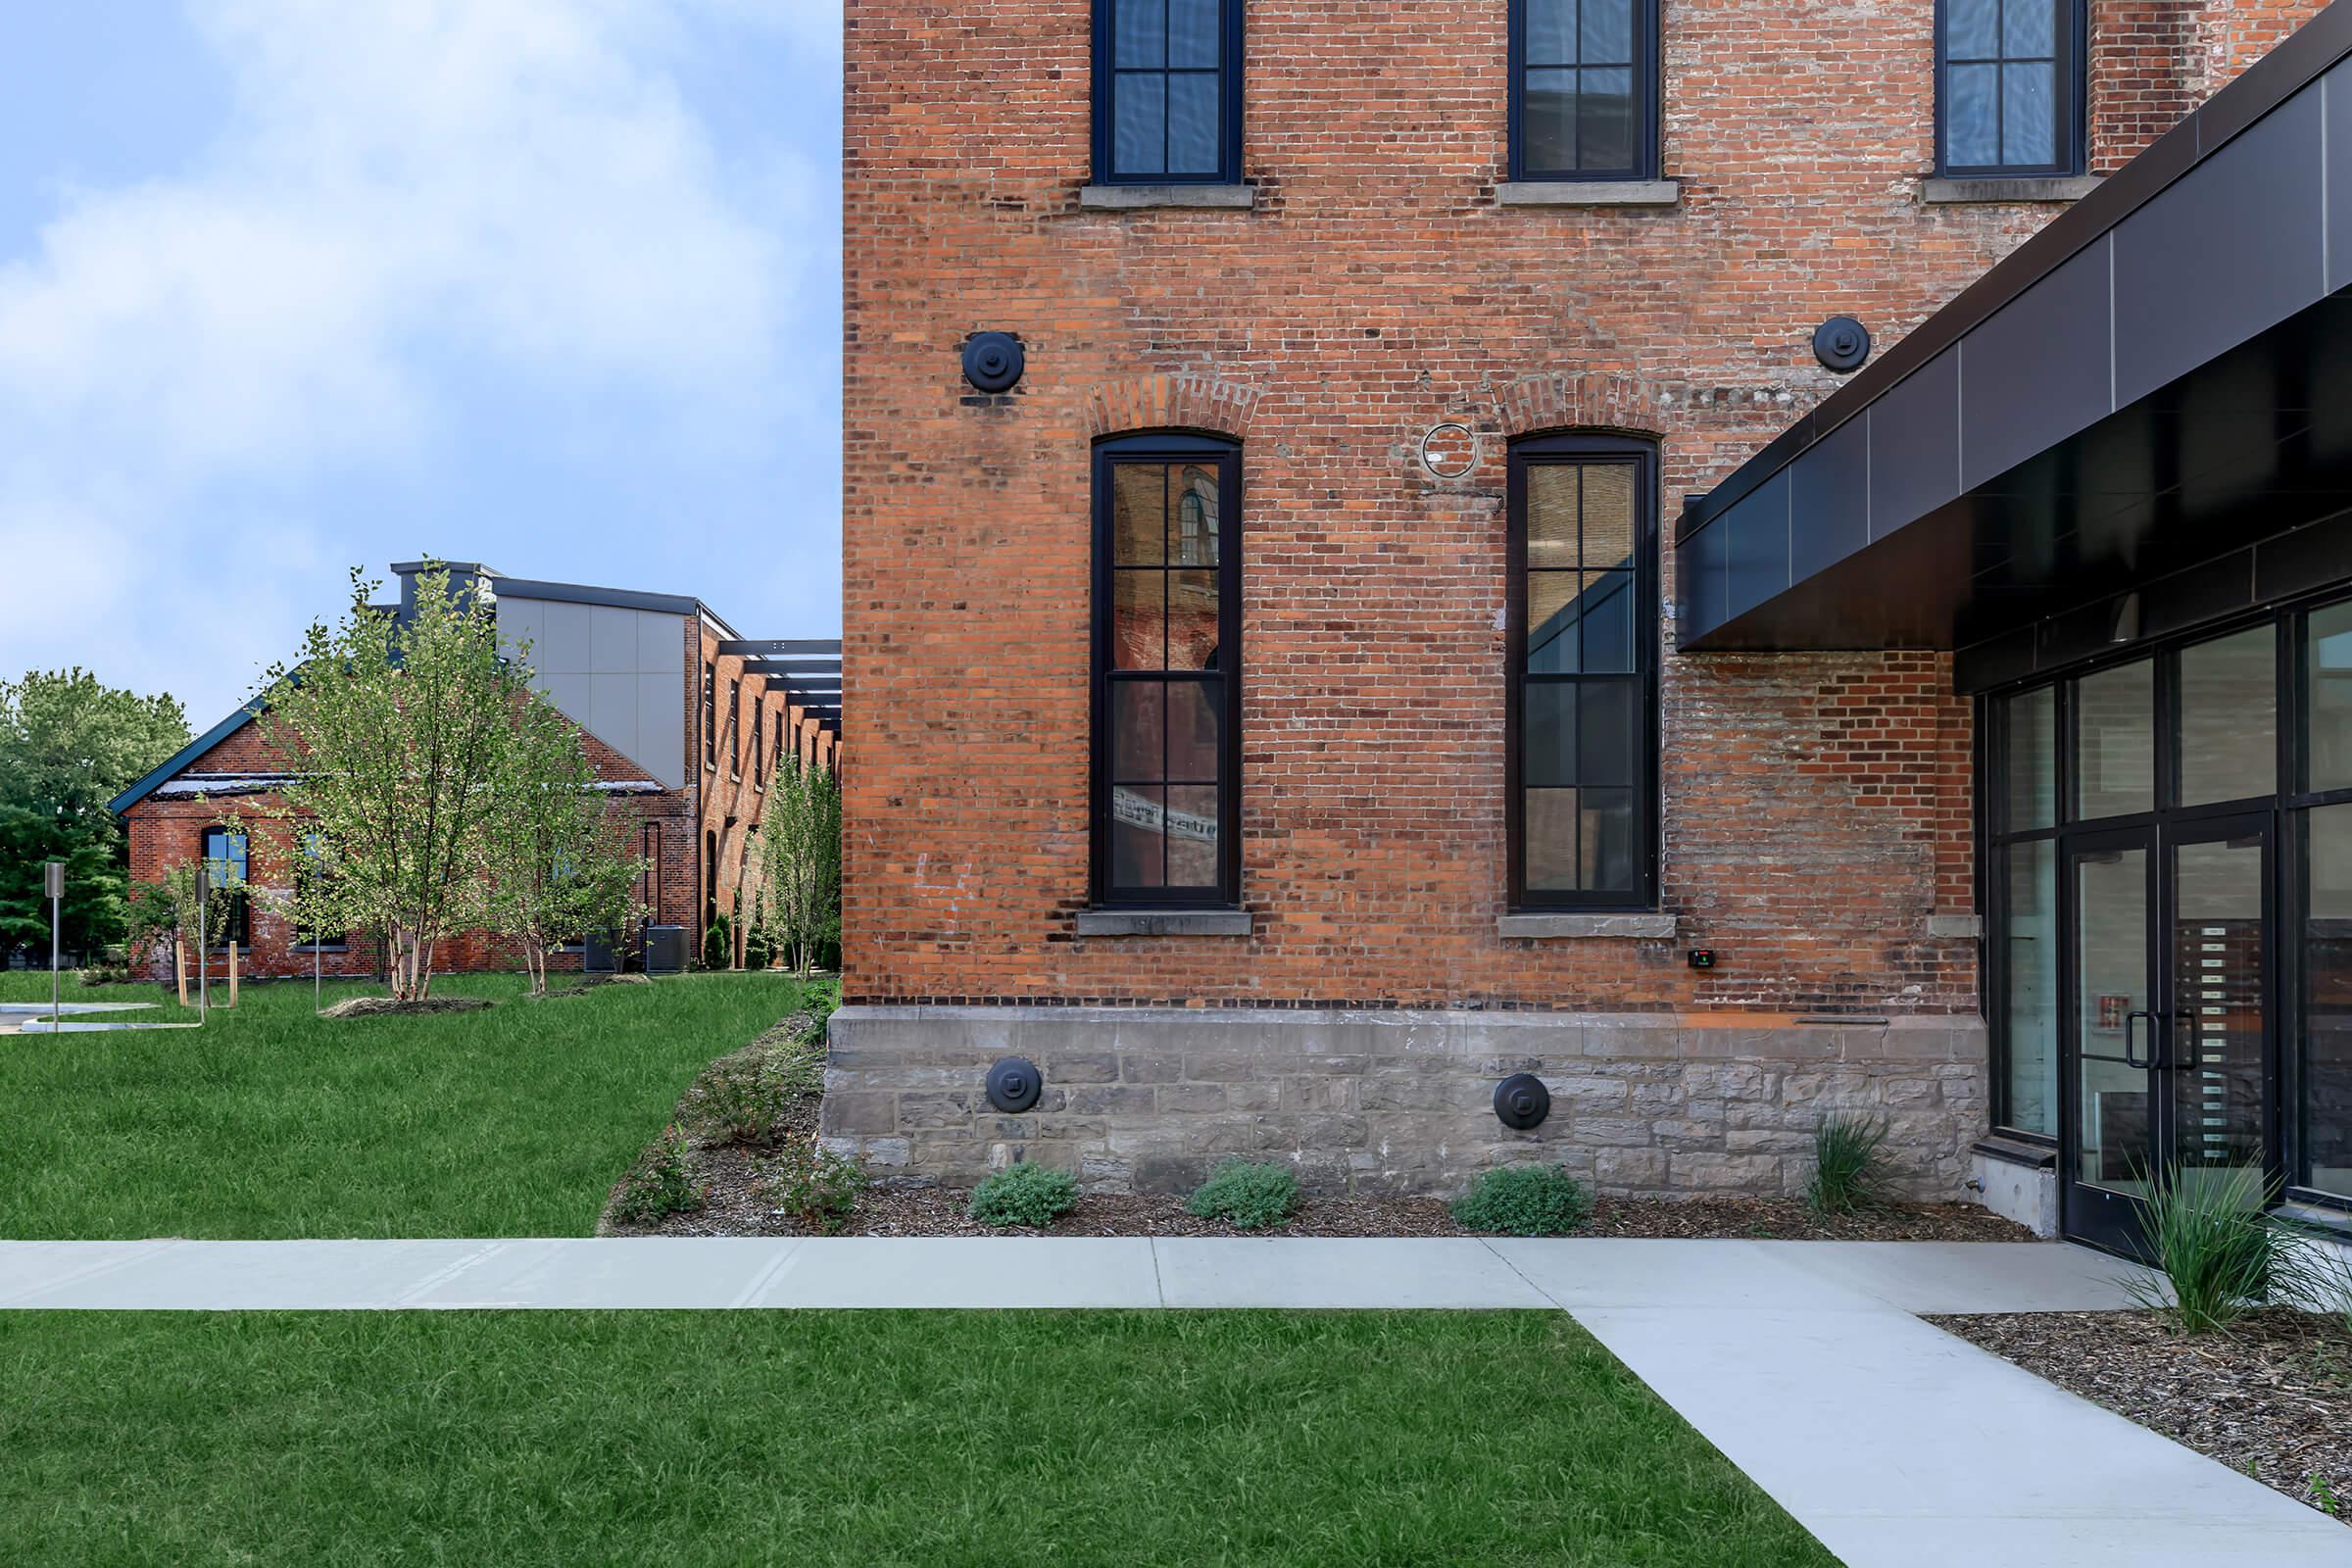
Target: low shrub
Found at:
1849, 1167
1247, 1196
2206, 1233
103, 974
1525, 1200
1034, 1195
811, 1184
764, 1092
661, 1183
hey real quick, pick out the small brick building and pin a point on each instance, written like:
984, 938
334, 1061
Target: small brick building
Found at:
683, 722
1285, 700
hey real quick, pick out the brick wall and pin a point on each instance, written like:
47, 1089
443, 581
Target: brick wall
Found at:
164, 831
1816, 809
733, 792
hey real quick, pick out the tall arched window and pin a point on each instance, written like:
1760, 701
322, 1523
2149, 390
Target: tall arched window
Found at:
1166, 671
1581, 744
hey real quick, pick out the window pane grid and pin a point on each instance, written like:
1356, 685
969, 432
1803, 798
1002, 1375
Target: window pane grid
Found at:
1582, 752
1168, 88
1165, 708
2005, 99
1577, 99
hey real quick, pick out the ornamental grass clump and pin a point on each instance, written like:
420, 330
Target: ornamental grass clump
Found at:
1525, 1200
2205, 1232
1849, 1167
1025, 1195
1247, 1196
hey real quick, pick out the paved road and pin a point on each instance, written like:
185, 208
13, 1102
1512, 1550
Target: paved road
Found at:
1896, 1444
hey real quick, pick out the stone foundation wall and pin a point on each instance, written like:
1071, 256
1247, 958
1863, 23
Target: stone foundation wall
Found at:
1147, 1099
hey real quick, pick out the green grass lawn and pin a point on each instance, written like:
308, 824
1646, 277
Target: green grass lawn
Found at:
883, 1438
271, 1122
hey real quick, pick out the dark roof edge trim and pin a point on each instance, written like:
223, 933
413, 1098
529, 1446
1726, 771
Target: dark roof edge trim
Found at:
573, 592
776, 647
170, 766
2299, 60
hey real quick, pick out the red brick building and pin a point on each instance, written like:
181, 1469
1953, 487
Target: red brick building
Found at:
1286, 697
683, 721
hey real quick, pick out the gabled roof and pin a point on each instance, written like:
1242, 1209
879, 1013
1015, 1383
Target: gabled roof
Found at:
172, 765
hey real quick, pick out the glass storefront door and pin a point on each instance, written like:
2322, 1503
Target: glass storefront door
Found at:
2167, 869
2168, 1041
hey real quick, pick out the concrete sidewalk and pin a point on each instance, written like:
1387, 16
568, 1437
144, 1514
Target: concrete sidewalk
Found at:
1894, 1442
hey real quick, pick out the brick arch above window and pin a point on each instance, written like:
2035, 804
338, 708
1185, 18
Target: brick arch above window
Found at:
1185, 401
1595, 400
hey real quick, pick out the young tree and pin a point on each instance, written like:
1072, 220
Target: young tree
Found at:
553, 872
69, 744
800, 847
398, 729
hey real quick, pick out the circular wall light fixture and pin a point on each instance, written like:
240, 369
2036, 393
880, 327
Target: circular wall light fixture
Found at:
1521, 1102
1014, 1082
1841, 344
1449, 450
993, 361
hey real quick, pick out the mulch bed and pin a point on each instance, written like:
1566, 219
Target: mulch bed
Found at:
2271, 1396
732, 1209
795, 1050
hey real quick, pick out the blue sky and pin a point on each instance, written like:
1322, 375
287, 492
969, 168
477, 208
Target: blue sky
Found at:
288, 286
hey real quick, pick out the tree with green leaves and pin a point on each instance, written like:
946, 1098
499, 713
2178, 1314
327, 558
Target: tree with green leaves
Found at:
800, 849
399, 730
549, 856
69, 744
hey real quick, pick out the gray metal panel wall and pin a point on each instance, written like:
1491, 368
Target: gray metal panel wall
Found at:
1915, 445
1828, 502
2039, 370
2233, 247
618, 673
1758, 561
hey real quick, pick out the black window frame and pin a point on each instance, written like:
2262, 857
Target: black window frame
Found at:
1231, 90
1570, 448
735, 729
1163, 447
1649, 86
239, 927
310, 861
2288, 807
2072, 108
710, 715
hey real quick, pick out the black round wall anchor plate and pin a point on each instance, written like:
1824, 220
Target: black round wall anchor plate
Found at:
1014, 1082
993, 361
1841, 343
1521, 1102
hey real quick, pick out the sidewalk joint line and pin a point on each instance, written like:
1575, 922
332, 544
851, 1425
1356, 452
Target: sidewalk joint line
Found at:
767, 1276
1160, 1291
1488, 1243
442, 1276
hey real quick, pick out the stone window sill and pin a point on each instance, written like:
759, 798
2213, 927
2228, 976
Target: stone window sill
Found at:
1553, 927
1955, 925
2016, 1151
1163, 922
1125, 198
1937, 192
1590, 193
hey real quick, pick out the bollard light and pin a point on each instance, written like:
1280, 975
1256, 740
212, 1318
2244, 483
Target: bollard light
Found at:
53, 887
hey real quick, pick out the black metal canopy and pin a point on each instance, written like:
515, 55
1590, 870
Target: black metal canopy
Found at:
2136, 422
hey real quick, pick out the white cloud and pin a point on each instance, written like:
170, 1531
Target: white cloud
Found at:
406, 196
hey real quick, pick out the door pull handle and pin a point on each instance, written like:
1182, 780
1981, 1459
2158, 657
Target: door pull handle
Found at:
2131, 1036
